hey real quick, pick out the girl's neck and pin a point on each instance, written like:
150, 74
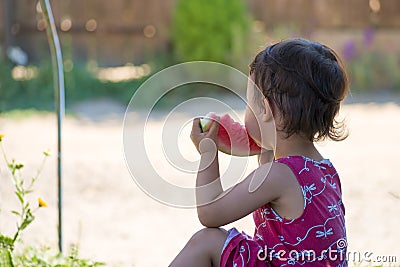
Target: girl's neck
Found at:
296, 146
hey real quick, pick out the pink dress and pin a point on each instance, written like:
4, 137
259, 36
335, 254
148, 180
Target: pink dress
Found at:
316, 238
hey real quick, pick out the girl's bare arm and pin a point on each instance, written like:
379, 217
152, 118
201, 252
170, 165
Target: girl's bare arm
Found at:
239, 201
217, 207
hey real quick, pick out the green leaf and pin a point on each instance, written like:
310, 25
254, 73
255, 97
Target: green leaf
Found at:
15, 212
6, 258
12, 163
27, 220
6, 242
19, 166
20, 197
11, 167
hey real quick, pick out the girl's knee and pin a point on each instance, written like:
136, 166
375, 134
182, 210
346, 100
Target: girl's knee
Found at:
210, 232
207, 235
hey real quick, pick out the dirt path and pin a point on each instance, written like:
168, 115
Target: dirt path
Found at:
116, 222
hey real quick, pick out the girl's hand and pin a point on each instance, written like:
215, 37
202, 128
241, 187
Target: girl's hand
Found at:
205, 141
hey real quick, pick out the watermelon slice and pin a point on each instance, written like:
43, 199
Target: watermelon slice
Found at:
233, 138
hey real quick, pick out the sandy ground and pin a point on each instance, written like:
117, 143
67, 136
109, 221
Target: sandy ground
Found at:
115, 222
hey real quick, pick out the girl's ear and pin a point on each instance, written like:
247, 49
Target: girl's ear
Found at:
267, 115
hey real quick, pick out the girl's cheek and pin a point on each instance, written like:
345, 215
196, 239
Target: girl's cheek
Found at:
252, 126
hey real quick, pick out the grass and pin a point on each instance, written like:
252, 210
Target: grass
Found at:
19, 114
45, 256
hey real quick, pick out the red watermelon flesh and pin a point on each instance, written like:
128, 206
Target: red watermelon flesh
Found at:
233, 138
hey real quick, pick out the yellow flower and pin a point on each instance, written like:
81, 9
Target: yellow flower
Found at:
1, 137
42, 203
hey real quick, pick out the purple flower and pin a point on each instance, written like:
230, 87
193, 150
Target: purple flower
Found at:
368, 37
349, 50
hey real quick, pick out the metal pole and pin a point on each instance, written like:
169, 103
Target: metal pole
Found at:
58, 72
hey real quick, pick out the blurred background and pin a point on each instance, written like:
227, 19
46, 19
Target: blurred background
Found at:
111, 47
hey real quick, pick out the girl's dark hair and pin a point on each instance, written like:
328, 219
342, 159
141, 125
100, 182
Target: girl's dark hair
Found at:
306, 82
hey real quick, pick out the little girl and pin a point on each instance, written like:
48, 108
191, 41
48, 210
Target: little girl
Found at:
297, 209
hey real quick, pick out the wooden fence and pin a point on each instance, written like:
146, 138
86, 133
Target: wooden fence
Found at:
119, 31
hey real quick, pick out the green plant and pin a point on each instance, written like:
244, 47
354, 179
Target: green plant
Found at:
37, 91
8, 87
45, 256
374, 70
32, 256
25, 214
214, 30
369, 68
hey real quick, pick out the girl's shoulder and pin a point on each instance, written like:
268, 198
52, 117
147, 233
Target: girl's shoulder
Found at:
303, 163
310, 172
